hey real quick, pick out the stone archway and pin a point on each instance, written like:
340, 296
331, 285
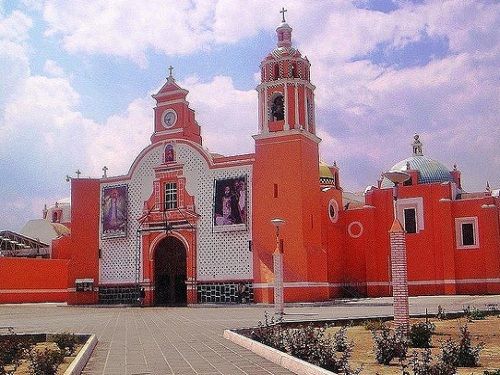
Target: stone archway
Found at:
170, 273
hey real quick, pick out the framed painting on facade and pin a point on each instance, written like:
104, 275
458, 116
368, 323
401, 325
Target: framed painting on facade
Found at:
114, 211
230, 204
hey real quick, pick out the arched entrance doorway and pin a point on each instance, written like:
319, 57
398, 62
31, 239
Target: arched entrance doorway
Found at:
170, 272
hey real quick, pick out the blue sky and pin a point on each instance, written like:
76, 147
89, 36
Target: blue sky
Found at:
76, 79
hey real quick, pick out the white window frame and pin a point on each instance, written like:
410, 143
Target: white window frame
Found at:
459, 221
171, 192
418, 205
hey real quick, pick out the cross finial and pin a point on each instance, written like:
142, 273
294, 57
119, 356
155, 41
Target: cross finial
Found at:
78, 173
105, 170
170, 69
282, 11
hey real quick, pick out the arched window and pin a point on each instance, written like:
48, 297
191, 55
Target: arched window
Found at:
277, 107
294, 72
276, 71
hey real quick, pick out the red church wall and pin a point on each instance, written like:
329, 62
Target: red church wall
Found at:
333, 241
484, 276
289, 189
435, 265
47, 281
84, 263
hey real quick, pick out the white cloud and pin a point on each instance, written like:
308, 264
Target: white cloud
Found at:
227, 118
53, 69
369, 112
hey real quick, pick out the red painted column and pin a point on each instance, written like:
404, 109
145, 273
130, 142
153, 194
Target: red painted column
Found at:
399, 270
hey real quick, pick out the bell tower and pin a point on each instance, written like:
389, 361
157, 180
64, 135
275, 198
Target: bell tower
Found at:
286, 177
286, 95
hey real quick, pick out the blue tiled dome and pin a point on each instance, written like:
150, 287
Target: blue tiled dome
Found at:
429, 170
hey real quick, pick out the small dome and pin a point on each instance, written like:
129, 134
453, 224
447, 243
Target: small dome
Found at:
429, 171
325, 174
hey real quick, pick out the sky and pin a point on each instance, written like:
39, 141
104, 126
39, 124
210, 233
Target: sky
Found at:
76, 79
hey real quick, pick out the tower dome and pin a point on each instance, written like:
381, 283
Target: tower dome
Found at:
429, 170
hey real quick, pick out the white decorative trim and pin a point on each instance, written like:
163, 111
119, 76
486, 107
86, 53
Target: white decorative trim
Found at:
335, 205
293, 284
170, 102
7, 291
459, 221
349, 229
415, 203
283, 133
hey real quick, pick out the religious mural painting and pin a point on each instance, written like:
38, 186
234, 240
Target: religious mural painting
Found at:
230, 203
169, 155
114, 211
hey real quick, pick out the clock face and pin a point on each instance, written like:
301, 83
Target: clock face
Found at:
168, 118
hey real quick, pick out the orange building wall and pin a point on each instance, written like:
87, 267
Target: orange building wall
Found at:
286, 161
435, 265
24, 280
84, 263
485, 259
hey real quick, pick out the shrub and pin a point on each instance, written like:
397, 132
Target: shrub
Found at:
492, 372
12, 348
425, 366
463, 353
270, 333
421, 333
389, 344
441, 314
374, 325
66, 342
44, 362
307, 343
340, 339
473, 313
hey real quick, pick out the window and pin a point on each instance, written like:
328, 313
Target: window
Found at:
467, 232
410, 220
170, 195
410, 213
276, 71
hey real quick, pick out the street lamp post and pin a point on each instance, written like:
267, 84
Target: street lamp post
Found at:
399, 266
278, 270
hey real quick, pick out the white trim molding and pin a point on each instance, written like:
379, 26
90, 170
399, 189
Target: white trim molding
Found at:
415, 203
459, 222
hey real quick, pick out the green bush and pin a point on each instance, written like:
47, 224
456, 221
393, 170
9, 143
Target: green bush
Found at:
492, 372
473, 313
12, 348
441, 314
340, 339
389, 344
44, 362
463, 353
307, 343
421, 334
66, 342
423, 365
270, 333
374, 325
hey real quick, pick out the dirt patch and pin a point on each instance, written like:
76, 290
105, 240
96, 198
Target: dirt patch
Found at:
486, 331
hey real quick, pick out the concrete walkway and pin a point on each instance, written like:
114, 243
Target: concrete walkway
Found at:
189, 340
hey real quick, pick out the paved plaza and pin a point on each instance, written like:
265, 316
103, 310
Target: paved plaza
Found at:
163, 340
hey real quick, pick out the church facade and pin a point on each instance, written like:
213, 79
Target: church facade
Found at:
187, 226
